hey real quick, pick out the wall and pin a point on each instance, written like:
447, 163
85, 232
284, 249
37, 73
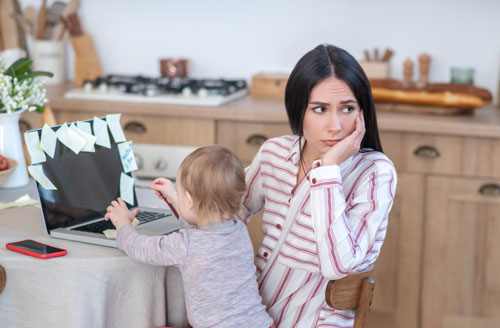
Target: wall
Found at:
235, 39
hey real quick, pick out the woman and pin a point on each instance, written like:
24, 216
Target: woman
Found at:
326, 190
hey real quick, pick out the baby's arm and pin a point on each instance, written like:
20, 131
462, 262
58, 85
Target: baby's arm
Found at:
169, 249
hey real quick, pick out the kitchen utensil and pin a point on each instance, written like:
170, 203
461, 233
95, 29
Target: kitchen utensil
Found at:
407, 71
424, 62
174, 67
29, 14
53, 17
41, 23
71, 7
27, 27
387, 55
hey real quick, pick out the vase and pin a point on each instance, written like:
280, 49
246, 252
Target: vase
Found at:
11, 146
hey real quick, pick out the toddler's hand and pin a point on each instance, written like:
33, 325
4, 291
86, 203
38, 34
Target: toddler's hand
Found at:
119, 214
164, 188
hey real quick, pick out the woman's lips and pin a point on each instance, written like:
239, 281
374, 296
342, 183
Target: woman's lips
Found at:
330, 143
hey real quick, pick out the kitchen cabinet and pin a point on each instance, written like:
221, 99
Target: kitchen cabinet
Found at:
439, 264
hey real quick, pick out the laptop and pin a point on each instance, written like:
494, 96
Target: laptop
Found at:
86, 184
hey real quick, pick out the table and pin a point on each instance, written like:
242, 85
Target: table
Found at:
92, 286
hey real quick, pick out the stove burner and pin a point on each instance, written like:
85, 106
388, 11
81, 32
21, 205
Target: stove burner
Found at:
151, 87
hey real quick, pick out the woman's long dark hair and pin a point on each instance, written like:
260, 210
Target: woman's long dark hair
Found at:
318, 64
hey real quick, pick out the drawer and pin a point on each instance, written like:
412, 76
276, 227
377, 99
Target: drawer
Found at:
451, 155
156, 129
245, 139
169, 130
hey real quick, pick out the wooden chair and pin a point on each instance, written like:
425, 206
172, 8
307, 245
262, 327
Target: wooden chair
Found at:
2, 279
354, 291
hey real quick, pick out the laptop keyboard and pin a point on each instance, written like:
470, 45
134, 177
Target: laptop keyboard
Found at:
100, 226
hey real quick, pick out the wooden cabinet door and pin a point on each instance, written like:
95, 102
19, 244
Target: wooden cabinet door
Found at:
461, 278
397, 270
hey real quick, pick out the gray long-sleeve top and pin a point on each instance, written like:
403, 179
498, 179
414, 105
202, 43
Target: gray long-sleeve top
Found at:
218, 272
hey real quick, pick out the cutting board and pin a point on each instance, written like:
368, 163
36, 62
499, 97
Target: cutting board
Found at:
12, 34
420, 110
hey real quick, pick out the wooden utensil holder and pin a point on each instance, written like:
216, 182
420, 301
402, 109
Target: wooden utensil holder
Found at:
87, 66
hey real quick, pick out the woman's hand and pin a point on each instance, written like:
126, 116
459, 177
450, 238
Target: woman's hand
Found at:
164, 188
119, 214
346, 147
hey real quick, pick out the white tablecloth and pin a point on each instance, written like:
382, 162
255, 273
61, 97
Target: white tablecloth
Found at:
92, 286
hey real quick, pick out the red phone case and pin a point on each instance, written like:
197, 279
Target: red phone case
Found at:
12, 246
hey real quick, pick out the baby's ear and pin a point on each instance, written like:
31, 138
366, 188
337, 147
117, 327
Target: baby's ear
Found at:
190, 200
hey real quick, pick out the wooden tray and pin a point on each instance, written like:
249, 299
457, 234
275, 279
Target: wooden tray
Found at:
421, 109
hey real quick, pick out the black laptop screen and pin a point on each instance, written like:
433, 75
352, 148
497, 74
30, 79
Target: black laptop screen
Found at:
86, 184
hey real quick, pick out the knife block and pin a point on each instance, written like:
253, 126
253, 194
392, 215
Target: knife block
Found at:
87, 66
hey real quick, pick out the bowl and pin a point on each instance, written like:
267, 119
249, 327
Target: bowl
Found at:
5, 174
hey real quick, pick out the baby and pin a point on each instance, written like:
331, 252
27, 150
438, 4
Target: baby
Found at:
214, 254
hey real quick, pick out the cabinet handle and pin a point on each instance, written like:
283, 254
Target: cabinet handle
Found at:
427, 152
490, 189
256, 139
24, 126
135, 127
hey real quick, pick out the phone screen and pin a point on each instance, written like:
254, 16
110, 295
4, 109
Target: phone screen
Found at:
33, 246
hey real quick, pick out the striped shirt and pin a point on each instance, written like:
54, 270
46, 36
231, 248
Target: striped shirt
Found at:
333, 224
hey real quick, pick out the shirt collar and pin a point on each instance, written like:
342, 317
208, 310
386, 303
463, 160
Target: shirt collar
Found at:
293, 155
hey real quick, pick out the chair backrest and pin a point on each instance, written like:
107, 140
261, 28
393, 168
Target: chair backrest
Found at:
2, 279
354, 291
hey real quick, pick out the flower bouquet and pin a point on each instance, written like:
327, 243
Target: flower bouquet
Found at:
20, 88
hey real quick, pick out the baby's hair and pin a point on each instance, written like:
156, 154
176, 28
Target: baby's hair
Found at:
215, 178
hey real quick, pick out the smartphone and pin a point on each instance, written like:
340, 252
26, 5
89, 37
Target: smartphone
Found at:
36, 249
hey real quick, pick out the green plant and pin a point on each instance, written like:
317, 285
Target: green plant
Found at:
21, 88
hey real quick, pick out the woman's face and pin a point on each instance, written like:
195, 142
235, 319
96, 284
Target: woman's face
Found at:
330, 116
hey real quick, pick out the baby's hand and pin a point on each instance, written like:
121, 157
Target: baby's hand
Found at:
119, 214
164, 188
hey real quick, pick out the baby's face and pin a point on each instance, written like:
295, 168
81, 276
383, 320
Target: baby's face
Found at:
184, 204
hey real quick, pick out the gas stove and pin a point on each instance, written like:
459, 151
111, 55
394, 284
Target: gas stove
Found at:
162, 90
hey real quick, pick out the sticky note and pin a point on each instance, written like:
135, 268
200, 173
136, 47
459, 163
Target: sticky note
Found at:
33, 143
48, 140
21, 201
89, 138
111, 233
113, 121
127, 188
36, 172
70, 138
101, 133
127, 156
86, 127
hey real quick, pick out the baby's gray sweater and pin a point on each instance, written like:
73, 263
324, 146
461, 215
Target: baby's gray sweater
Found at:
217, 269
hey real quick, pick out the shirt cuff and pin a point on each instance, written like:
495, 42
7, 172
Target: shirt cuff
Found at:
328, 172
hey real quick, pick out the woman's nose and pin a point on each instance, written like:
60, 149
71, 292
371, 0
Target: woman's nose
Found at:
333, 123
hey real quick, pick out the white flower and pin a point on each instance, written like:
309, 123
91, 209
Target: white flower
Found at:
24, 95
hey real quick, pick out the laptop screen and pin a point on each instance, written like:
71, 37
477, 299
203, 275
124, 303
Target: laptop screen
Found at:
86, 183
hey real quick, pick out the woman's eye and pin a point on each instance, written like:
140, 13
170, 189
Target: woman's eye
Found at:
319, 109
347, 109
